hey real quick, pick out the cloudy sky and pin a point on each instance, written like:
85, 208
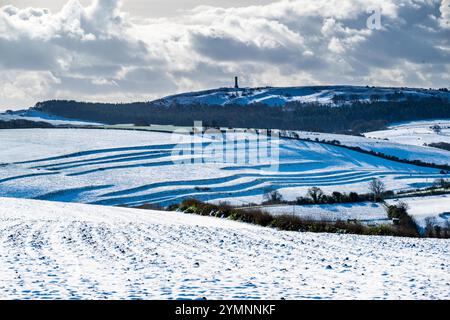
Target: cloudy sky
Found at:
111, 50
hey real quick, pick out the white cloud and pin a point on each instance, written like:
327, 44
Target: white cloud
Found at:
22, 88
445, 14
101, 53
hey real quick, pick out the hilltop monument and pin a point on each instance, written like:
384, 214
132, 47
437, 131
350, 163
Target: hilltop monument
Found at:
236, 82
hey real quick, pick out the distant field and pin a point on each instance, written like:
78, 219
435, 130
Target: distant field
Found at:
392, 147
115, 167
420, 208
416, 133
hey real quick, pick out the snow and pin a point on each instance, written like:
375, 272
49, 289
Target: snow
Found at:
397, 146
30, 144
72, 251
34, 115
113, 167
416, 133
280, 96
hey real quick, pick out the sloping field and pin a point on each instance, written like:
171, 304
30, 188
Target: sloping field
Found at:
125, 167
33, 115
59, 250
396, 146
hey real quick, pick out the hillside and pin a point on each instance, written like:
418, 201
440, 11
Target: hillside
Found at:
42, 117
415, 133
397, 146
336, 95
132, 167
71, 251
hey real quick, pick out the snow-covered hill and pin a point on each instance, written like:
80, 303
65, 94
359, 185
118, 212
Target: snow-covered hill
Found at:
417, 133
397, 146
59, 250
131, 167
280, 96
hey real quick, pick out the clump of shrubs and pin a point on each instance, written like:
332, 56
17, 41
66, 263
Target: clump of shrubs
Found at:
149, 206
441, 184
403, 224
223, 210
253, 216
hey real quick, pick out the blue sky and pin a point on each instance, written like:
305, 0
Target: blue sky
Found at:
108, 50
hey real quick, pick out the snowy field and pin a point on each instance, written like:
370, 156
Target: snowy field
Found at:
392, 147
72, 251
416, 133
114, 167
280, 96
420, 208
436, 207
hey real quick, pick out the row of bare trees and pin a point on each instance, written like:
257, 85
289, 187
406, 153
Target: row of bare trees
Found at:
315, 195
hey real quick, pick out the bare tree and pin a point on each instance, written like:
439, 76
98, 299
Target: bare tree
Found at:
272, 196
377, 188
441, 183
315, 194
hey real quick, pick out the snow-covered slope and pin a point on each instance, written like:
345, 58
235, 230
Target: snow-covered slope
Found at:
435, 207
280, 96
417, 133
71, 251
37, 116
394, 147
127, 167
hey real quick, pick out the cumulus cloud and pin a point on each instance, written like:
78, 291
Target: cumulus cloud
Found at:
444, 20
101, 53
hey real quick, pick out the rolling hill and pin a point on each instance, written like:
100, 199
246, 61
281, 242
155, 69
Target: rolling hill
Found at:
336, 95
116, 167
332, 109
